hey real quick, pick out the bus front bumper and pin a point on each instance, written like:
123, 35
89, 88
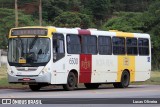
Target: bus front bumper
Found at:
45, 78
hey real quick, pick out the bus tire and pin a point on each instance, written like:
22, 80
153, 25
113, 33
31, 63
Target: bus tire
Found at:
71, 82
125, 80
91, 85
34, 87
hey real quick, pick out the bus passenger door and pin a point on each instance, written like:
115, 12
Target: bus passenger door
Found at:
58, 74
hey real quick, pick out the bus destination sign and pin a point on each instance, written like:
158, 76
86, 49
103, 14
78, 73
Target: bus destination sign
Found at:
31, 31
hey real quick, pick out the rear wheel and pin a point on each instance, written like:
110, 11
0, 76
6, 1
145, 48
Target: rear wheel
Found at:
71, 82
125, 80
91, 85
34, 87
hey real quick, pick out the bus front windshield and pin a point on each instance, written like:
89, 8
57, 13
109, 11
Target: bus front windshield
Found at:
31, 51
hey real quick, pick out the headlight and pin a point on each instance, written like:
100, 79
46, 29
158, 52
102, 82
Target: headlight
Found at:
45, 70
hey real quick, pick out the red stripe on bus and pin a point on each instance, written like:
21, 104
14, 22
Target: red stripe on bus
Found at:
84, 32
85, 63
85, 68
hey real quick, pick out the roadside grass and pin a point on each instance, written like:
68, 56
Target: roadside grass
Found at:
3, 71
4, 79
154, 80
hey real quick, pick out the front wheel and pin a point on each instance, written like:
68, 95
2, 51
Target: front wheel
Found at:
34, 87
71, 82
125, 80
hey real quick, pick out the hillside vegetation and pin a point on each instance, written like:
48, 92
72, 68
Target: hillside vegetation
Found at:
124, 15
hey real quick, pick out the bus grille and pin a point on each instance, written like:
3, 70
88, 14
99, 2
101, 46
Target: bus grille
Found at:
26, 68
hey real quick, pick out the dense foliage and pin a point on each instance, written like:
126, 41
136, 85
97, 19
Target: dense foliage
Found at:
66, 20
124, 15
7, 18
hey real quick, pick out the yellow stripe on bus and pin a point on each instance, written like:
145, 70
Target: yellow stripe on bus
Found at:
125, 62
51, 31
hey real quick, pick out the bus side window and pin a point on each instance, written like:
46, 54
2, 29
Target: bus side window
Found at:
58, 46
104, 45
73, 44
131, 46
89, 44
143, 46
118, 45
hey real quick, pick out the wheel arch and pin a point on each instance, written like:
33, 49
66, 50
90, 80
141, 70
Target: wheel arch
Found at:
75, 73
127, 71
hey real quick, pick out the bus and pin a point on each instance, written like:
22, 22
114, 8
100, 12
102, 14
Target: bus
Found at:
42, 56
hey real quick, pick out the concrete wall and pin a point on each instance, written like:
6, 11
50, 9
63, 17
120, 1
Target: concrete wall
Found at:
3, 59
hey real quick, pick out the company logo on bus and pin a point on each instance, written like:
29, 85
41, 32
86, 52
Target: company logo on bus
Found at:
86, 64
126, 61
85, 68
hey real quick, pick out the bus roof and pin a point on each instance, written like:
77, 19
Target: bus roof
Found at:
53, 29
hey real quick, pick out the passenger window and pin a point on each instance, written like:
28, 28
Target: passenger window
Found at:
118, 45
143, 46
104, 45
131, 46
58, 46
73, 44
89, 44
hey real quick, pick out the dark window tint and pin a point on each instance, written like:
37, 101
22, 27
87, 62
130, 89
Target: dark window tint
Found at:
104, 45
73, 44
89, 44
143, 46
131, 46
118, 45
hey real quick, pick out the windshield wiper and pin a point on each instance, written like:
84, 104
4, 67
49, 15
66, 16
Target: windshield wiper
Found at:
22, 45
33, 42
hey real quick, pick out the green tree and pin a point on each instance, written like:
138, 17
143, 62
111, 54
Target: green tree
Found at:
151, 20
98, 10
147, 22
74, 5
53, 8
125, 21
7, 20
73, 19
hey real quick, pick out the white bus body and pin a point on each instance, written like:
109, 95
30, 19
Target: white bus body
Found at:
86, 68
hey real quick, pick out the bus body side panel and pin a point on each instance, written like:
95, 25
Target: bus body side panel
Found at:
59, 74
85, 68
69, 62
62, 67
142, 68
126, 62
104, 67
143, 63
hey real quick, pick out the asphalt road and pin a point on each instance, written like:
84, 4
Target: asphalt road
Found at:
134, 91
